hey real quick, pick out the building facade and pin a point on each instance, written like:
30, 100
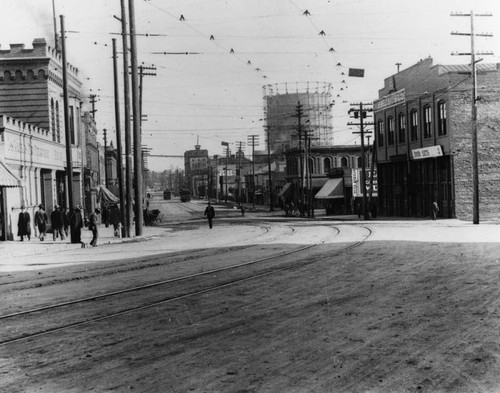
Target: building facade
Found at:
423, 134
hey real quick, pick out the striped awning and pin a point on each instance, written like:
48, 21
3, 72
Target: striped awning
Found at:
7, 178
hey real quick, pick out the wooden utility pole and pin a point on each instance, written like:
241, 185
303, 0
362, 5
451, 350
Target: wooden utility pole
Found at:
299, 114
128, 143
268, 133
136, 124
105, 136
253, 139
227, 163
67, 128
475, 165
123, 215
361, 114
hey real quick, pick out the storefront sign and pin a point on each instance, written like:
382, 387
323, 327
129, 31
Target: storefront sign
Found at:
389, 100
357, 191
427, 152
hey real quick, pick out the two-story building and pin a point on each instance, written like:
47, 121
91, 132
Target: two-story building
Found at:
423, 138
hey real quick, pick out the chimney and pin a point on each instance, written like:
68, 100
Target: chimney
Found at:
16, 48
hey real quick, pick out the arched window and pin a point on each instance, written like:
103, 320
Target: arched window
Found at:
344, 162
441, 118
359, 163
327, 164
390, 131
414, 125
380, 133
311, 165
427, 121
402, 128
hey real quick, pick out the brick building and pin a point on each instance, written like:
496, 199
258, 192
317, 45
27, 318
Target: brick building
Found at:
423, 123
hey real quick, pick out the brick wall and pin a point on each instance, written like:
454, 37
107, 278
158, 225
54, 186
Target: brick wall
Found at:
488, 147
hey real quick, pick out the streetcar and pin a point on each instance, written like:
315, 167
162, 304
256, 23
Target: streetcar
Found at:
185, 195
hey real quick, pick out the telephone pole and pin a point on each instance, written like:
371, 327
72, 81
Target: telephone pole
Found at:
118, 137
93, 100
268, 134
105, 135
360, 111
254, 139
226, 144
299, 114
472, 54
136, 124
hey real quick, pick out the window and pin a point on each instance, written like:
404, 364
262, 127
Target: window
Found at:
311, 165
380, 133
414, 125
327, 164
427, 121
58, 123
359, 163
402, 128
53, 119
441, 118
390, 131
72, 124
343, 162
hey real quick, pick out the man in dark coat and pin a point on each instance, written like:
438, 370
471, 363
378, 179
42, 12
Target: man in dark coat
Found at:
93, 222
210, 213
41, 219
24, 224
56, 220
76, 224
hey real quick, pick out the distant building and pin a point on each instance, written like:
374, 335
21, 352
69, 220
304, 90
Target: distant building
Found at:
196, 165
423, 128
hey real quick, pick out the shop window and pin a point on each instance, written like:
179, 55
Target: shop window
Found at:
414, 125
390, 131
441, 118
402, 128
380, 133
427, 121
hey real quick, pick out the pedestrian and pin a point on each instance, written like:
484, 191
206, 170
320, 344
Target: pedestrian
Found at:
24, 224
242, 210
435, 210
115, 218
93, 222
41, 219
56, 220
76, 224
65, 217
210, 213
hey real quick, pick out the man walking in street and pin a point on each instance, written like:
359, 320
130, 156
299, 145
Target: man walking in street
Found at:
210, 213
23, 224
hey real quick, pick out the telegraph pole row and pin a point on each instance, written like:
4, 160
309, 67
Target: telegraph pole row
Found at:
360, 111
472, 54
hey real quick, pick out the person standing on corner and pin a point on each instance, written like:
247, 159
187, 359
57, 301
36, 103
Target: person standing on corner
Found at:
93, 226
210, 213
23, 224
56, 220
41, 219
435, 210
76, 224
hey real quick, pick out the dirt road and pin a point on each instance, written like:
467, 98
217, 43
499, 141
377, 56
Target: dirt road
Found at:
355, 314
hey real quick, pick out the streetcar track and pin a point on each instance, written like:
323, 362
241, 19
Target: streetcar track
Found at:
214, 287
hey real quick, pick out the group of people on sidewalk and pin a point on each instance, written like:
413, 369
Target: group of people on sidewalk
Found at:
62, 222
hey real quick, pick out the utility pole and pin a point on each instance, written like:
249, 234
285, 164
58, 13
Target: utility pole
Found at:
123, 215
67, 128
93, 100
268, 134
142, 74
472, 54
105, 135
239, 173
128, 141
361, 113
398, 65
227, 163
299, 114
253, 139
136, 124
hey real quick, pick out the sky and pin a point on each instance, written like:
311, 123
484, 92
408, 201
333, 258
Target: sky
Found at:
215, 92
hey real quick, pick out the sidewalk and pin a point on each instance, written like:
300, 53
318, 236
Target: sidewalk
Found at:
37, 247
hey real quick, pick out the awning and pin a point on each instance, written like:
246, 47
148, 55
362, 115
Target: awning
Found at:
285, 189
106, 196
7, 178
333, 188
